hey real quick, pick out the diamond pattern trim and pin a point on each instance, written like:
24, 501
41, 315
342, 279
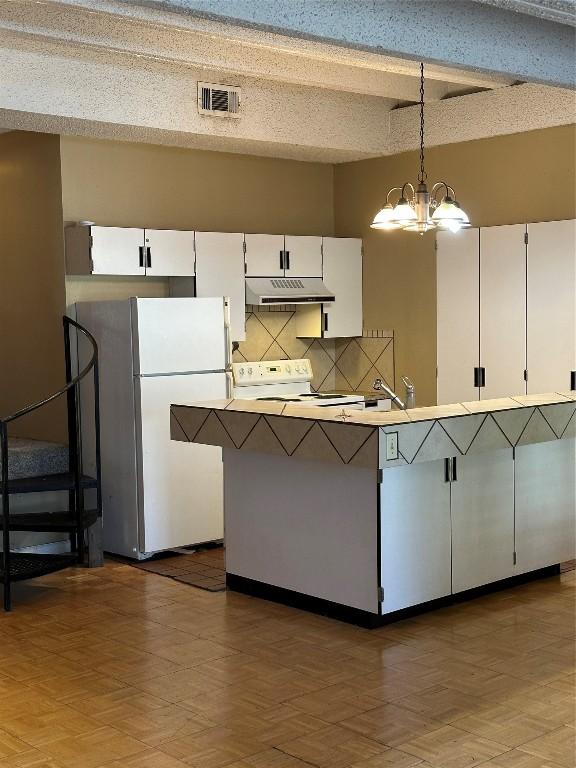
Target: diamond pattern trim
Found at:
513, 422
290, 432
537, 430
558, 416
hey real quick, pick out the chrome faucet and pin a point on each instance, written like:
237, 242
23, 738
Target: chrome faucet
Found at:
409, 402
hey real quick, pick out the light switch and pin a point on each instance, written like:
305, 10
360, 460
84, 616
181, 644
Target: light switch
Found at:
391, 446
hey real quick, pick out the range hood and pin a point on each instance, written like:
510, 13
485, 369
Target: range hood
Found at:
287, 290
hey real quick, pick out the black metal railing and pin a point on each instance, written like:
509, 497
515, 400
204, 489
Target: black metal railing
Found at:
76, 488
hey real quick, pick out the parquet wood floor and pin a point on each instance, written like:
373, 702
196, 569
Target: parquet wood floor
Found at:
121, 668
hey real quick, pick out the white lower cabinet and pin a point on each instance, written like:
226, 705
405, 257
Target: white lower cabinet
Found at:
448, 526
482, 508
415, 535
545, 509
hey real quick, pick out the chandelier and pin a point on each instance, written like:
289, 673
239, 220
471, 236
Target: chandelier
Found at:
416, 209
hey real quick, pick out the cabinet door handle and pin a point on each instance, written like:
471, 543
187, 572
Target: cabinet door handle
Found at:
573, 380
281, 259
454, 470
287, 253
479, 377
446, 470
325, 329
476, 377
482, 377
148, 257
141, 255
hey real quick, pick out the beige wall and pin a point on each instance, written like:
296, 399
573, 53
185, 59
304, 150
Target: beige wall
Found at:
504, 180
31, 280
124, 184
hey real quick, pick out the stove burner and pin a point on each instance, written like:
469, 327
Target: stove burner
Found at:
278, 399
321, 396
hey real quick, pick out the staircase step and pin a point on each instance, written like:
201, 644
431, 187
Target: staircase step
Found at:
24, 565
64, 481
28, 457
50, 521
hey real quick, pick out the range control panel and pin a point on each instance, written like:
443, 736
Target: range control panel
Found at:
271, 372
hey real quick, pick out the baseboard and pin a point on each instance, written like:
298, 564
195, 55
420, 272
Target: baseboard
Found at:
365, 618
304, 602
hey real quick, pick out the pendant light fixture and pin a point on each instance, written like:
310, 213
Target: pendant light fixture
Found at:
416, 209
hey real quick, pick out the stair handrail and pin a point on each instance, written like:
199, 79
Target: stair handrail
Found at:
74, 453
93, 361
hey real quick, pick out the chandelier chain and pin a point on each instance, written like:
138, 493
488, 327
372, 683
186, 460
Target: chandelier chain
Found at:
422, 176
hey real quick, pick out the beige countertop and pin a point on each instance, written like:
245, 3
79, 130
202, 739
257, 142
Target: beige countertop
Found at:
380, 418
345, 435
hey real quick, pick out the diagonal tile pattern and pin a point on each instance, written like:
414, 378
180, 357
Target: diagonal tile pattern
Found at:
513, 422
360, 361
488, 437
558, 416
537, 430
344, 440
337, 364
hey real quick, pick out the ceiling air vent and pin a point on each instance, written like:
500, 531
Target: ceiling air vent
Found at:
218, 100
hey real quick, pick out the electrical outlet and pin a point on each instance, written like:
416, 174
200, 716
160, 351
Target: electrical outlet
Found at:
391, 446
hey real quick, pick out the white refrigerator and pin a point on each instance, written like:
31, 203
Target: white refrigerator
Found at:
157, 494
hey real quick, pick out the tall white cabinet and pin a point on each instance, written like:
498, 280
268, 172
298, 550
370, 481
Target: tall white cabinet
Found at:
506, 321
502, 258
551, 292
458, 320
220, 272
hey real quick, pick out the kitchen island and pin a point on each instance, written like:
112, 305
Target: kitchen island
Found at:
369, 516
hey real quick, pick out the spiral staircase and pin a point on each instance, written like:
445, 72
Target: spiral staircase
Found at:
37, 467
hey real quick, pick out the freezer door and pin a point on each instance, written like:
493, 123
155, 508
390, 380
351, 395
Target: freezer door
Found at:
179, 335
180, 484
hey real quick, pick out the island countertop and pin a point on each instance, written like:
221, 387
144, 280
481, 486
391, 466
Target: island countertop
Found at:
357, 437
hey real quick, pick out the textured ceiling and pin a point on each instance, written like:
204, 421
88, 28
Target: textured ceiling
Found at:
560, 11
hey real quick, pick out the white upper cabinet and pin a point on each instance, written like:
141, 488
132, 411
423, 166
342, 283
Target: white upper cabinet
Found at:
283, 256
302, 256
129, 251
342, 273
117, 251
169, 252
551, 306
264, 255
220, 272
503, 310
458, 325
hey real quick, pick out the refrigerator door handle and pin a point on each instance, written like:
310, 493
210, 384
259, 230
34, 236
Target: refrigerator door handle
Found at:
229, 386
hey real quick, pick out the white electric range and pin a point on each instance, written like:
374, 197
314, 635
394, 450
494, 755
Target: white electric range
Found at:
286, 381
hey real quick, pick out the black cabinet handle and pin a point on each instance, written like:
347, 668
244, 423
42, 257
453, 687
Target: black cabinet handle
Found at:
573, 380
454, 470
446, 470
287, 253
148, 257
141, 255
281, 259
479, 377
325, 329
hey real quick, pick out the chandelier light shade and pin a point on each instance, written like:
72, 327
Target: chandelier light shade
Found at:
416, 209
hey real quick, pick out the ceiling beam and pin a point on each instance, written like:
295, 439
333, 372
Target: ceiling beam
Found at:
464, 34
231, 51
